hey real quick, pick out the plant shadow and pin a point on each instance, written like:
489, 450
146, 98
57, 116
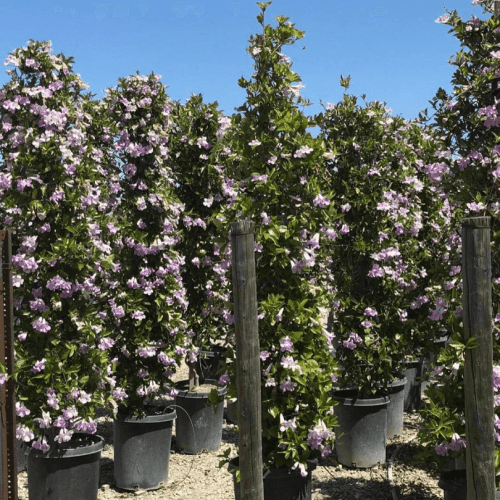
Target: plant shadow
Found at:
371, 489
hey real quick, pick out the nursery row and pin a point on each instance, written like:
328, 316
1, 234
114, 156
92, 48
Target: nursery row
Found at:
121, 213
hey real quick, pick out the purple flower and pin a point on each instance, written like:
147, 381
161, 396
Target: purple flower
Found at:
3, 378
41, 444
21, 410
61, 422
84, 398
456, 443
264, 355
64, 436
138, 315
118, 312
45, 421
366, 324
287, 424
228, 317
41, 325
288, 385
224, 379
289, 362
146, 352
23, 433
370, 312
441, 449
496, 378
52, 399
302, 152
70, 413
279, 316
38, 366
321, 201
349, 344
106, 343
286, 345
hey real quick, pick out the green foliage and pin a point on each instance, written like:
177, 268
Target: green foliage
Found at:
52, 226
391, 219
272, 176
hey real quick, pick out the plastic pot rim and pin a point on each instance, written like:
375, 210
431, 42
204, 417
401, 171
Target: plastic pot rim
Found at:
217, 351
399, 382
150, 419
96, 446
349, 400
199, 395
233, 465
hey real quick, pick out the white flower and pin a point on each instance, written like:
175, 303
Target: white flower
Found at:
302, 468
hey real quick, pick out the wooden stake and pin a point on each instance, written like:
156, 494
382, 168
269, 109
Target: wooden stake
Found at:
247, 360
8, 443
477, 319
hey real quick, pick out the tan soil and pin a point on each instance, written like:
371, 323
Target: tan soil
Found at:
204, 388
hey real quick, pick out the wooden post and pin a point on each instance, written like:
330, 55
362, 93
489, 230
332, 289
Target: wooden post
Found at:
8, 443
477, 319
247, 361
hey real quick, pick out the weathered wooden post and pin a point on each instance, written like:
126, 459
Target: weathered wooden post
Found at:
8, 444
247, 360
477, 319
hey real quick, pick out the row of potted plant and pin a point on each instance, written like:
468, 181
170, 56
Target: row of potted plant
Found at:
98, 260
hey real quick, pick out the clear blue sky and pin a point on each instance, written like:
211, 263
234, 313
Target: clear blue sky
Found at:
393, 49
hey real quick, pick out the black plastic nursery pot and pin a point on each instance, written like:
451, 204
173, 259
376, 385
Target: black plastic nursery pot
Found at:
413, 388
20, 451
360, 437
279, 484
232, 411
454, 485
395, 408
22, 462
208, 363
198, 428
142, 450
70, 472
439, 344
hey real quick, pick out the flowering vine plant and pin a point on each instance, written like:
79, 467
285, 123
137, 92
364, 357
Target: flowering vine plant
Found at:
469, 173
390, 237
274, 177
52, 196
146, 298
197, 129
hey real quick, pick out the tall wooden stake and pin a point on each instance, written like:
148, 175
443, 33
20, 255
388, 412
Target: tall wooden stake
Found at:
247, 361
477, 318
8, 444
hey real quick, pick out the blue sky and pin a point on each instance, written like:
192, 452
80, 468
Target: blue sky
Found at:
393, 49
